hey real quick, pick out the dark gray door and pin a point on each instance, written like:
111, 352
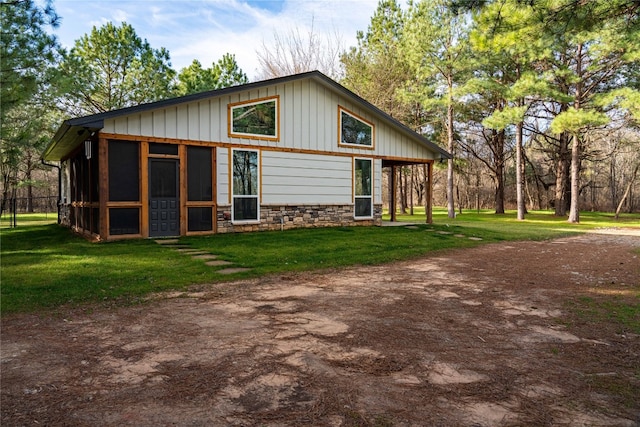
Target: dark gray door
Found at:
164, 198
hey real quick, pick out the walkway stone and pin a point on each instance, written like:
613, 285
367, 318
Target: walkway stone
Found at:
205, 256
475, 238
167, 241
217, 263
232, 270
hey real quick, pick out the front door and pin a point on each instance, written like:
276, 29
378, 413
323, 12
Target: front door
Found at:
164, 198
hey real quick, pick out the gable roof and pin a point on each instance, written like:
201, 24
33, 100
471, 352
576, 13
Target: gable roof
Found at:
73, 132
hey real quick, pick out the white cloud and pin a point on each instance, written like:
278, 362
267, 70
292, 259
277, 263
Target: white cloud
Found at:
120, 15
205, 30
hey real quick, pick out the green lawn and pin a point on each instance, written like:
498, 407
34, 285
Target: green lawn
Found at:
6, 220
45, 266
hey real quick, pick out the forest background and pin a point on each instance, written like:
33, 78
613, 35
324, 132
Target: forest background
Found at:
538, 101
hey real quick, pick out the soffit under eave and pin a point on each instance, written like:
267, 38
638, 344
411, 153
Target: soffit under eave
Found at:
66, 141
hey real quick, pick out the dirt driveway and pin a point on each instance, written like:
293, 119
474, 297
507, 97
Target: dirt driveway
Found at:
477, 337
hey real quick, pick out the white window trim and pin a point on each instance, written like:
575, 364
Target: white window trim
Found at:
233, 196
355, 196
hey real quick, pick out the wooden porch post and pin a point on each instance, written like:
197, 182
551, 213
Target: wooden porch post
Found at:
144, 188
392, 199
103, 187
429, 194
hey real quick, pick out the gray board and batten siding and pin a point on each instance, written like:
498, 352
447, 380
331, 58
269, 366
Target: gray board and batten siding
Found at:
307, 177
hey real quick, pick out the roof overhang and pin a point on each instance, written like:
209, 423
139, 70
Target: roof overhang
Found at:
74, 131
68, 138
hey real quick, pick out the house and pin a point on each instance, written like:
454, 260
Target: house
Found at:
295, 151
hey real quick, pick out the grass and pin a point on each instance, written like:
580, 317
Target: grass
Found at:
44, 266
623, 312
535, 222
6, 220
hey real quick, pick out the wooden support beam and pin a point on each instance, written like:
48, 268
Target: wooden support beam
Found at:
429, 194
394, 190
144, 188
182, 177
103, 187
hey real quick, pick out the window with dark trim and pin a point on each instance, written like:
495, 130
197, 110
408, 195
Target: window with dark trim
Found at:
245, 186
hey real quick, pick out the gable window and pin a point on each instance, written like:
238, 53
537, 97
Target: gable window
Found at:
258, 119
362, 183
245, 186
354, 130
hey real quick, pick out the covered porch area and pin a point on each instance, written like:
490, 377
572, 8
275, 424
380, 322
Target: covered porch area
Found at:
416, 175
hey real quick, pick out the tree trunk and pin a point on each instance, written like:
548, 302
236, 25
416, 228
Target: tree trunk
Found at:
451, 213
27, 177
574, 211
478, 191
562, 176
612, 181
519, 172
627, 190
499, 195
498, 144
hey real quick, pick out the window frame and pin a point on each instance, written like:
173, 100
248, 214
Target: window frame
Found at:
341, 111
232, 106
356, 196
251, 196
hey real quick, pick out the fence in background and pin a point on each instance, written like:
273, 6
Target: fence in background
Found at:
14, 207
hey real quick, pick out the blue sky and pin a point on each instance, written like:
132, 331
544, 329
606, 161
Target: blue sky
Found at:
207, 29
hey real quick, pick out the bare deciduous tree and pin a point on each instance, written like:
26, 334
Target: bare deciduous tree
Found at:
297, 52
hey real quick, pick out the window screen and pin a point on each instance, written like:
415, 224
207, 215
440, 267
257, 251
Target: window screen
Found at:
163, 182
124, 221
199, 174
155, 148
200, 219
95, 177
124, 179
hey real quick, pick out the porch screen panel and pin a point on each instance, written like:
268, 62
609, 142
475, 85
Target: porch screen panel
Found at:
199, 174
124, 171
200, 219
170, 149
95, 177
164, 178
124, 221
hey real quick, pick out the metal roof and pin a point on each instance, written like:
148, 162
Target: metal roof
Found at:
73, 132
